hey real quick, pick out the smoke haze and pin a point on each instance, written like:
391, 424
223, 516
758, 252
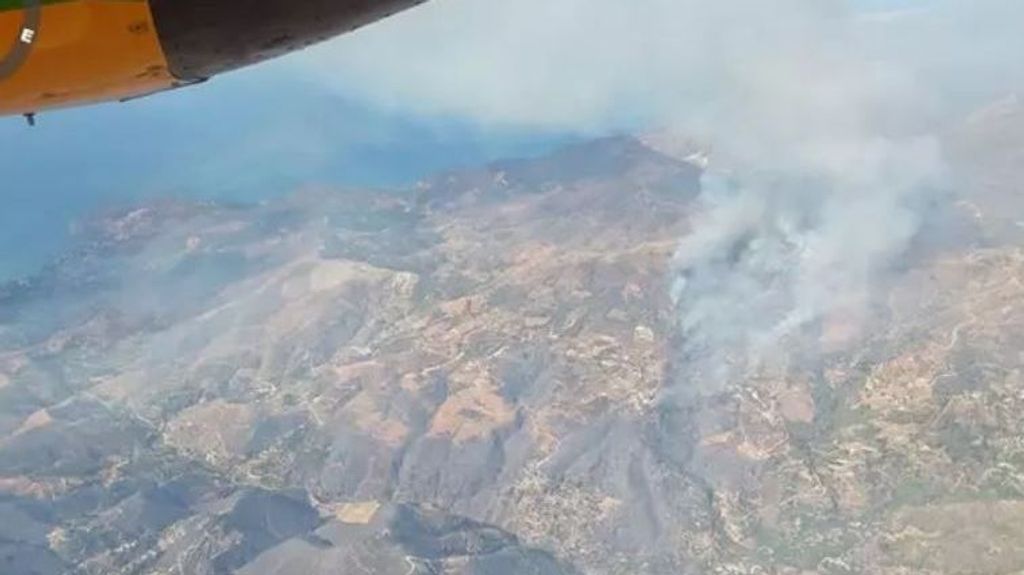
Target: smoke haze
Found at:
823, 122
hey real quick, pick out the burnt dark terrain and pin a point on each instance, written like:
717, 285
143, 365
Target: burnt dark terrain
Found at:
473, 377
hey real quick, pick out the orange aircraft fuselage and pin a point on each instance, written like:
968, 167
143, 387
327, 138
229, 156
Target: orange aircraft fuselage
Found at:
58, 53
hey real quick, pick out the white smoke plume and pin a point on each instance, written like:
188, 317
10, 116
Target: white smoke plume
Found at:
778, 250
594, 65
821, 161
822, 119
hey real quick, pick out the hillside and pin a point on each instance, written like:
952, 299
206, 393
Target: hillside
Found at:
481, 376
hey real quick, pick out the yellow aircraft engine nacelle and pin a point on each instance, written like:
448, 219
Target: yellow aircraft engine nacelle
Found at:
58, 53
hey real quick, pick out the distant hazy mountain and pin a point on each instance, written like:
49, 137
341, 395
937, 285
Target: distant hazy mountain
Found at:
472, 378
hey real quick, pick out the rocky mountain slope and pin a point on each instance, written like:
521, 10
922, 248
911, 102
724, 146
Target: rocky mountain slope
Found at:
472, 377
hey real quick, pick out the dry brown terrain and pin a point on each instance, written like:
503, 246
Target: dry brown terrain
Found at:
482, 377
